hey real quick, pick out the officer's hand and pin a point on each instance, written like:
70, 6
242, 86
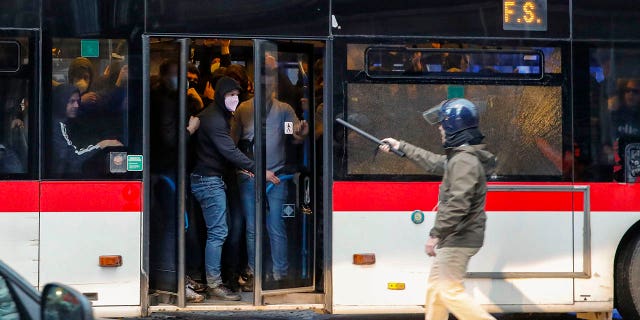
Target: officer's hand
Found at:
389, 143
430, 247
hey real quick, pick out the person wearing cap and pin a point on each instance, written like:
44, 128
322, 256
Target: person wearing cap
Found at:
216, 154
458, 232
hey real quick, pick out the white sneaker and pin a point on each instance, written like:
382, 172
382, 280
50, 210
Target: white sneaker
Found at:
193, 296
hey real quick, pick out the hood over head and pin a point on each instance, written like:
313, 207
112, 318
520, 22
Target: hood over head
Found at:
61, 95
224, 85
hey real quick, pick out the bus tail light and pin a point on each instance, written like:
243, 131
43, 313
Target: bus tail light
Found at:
110, 261
362, 259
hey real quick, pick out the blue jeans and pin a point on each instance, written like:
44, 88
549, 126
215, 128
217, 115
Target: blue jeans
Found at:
274, 221
209, 191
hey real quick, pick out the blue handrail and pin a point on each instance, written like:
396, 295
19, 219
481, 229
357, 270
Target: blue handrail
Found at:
172, 186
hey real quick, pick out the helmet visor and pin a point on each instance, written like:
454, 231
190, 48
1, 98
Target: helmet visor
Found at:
433, 115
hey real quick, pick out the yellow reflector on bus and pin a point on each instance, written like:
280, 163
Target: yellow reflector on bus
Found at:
364, 258
110, 261
395, 285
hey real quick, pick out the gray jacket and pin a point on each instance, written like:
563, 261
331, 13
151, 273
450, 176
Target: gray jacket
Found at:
460, 221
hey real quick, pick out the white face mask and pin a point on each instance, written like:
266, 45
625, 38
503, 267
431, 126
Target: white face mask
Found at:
231, 102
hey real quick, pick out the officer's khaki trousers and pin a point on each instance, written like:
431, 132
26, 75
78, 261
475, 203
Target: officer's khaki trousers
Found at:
445, 292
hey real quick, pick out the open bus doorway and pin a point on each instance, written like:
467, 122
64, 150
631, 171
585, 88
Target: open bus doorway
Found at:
177, 229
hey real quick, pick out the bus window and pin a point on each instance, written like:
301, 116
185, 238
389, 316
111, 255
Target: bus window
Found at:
393, 62
15, 90
609, 118
434, 62
88, 113
522, 125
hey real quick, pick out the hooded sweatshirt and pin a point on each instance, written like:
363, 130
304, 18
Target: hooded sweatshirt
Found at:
216, 153
460, 221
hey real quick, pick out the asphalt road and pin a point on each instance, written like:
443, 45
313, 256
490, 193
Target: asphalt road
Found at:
311, 315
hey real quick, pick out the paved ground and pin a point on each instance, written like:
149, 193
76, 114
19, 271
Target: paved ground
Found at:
310, 315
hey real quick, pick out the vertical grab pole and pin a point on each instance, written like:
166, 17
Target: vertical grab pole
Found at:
182, 168
260, 161
146, 175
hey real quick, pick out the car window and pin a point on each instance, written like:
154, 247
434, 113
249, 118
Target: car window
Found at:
8, 306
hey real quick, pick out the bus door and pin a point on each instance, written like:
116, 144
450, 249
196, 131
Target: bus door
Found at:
270, 245
284, 152
168, 215
19, 188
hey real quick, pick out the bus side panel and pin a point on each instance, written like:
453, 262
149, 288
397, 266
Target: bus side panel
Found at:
524, 242
399, 243
81, 222
518, 239
19, 221
614, 209
607, 229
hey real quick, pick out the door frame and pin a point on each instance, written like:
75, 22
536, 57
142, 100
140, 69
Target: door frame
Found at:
260, 166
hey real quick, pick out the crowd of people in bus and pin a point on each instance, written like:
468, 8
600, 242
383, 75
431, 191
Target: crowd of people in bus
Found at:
88, 114
614, 121
221, 169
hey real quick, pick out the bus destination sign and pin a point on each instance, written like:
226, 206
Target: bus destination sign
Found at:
524, 15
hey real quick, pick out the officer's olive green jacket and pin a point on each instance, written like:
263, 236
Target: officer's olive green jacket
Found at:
460, 221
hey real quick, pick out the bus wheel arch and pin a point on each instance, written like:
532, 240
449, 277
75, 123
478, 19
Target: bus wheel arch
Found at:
627, 274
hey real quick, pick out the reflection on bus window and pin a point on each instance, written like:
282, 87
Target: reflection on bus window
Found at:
522, 125
403, 62
15, 126
98, 72
612, 119
14, 116
442, 62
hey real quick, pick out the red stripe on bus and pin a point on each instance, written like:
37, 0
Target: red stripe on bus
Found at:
91, 196
409, 196
19, 196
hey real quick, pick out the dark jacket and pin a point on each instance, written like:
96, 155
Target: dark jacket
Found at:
460, 221
164, 127
67, 155
216, 153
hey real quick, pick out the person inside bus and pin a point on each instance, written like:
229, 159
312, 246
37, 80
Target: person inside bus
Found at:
217, 154
111, 87
278, 114
458, 232
625, 123
18, 131
164, 163
81, 75
239, 73
198, 99
233, 258
67, 155
455, 62
209, 60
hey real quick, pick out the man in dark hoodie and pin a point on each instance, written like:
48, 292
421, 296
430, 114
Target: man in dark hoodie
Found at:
458, 232
216, 154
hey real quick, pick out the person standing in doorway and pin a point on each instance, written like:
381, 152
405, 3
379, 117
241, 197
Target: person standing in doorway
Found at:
458, 232
216, 153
